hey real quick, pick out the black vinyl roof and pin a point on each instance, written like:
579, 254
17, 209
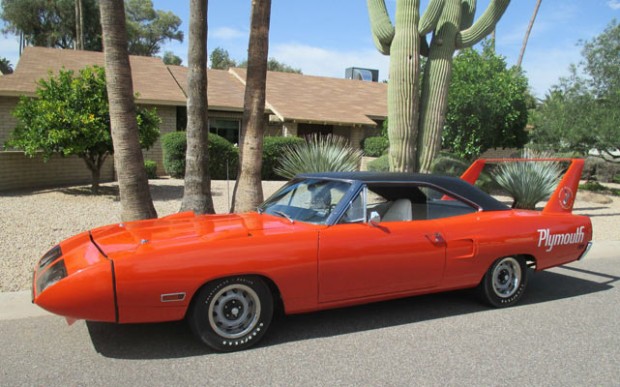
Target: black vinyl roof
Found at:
449, 184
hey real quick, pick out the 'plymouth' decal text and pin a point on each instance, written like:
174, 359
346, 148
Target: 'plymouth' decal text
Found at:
549, 240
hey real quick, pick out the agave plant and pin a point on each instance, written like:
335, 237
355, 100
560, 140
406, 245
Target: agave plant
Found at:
528, 182
319, 154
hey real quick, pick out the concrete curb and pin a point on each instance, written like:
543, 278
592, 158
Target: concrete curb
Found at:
18, 305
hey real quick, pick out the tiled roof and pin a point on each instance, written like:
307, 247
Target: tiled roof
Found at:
291, 97
151, 79
322, 100
224, 91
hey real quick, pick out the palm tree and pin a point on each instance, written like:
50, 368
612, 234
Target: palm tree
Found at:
197, 192
248, 192
527, 33
136, 202
79, 25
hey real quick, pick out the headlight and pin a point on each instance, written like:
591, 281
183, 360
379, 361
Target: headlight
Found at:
52, 275
50, 256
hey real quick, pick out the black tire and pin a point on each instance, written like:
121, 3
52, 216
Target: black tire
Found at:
504, 283
232, 314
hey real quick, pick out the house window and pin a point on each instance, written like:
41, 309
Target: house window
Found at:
229, 129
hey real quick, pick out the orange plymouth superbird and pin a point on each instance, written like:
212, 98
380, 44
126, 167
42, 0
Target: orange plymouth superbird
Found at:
324, 240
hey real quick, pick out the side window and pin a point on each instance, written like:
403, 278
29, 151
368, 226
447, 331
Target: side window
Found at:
355, 213
439, 205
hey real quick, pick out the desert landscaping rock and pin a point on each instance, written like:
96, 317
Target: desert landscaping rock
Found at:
33, 221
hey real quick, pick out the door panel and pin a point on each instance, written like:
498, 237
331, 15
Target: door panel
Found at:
360, 260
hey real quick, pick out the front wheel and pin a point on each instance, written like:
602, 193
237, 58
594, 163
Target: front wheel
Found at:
232, 314
504, 283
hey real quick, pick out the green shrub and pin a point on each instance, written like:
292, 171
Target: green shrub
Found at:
174, 145
382, 164
151, 169
593, 186
376, 146
273, 149
319, 154
221, 154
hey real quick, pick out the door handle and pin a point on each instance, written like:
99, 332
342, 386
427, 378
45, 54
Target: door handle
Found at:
436, 238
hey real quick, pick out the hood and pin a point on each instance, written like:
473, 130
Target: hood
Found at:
129, 236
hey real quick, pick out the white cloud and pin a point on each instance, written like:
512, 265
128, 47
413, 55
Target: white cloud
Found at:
326, 62
613, 4
228, 33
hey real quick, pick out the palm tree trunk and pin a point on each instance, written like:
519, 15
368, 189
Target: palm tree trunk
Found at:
136, 202
248, 192
79, 25
197, 193
527, 33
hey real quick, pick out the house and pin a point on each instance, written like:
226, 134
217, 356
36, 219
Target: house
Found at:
296, 105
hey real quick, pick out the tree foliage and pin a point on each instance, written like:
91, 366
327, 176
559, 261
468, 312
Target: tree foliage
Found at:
51, 23
148, 28
70, 116
170, 59
581, 112
5, 66
221, 60
487, 104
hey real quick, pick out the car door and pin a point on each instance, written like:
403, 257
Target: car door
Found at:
361, 259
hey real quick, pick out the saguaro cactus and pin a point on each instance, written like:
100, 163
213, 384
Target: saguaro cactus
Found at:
451, 23
402, 42
453, 31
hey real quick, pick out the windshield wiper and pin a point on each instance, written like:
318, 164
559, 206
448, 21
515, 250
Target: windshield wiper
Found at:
284, 215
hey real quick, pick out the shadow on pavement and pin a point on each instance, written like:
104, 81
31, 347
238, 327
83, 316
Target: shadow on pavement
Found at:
175, 340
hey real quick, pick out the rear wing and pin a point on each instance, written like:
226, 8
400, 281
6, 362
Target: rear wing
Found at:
562, 199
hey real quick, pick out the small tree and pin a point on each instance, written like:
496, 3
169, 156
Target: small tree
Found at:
70, 116
581, 112
220, 59
487, 104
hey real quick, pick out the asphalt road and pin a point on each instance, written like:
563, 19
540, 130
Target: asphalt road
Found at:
565, 332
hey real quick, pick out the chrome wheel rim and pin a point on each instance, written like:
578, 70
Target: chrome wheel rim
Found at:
507, 277
234, 311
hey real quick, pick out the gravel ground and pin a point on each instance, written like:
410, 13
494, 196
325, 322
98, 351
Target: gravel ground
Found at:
32, 222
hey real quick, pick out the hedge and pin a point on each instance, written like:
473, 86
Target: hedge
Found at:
221, 153
376, 146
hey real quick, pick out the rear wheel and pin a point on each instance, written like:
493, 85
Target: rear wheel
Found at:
232, 314
504, 283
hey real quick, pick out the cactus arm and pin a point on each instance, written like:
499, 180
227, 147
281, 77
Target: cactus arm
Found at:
429, 19
468, 10
380, 25
483, 26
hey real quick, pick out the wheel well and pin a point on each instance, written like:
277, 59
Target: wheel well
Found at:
278, 304
530, 260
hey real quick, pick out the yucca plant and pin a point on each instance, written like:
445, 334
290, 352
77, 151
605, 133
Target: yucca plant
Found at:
319, 154
528, 182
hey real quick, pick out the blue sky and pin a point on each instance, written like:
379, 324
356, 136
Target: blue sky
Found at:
323, 37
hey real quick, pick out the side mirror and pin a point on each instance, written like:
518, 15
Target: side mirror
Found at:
374, 218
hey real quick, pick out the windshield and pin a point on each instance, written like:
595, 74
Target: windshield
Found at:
308, 200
